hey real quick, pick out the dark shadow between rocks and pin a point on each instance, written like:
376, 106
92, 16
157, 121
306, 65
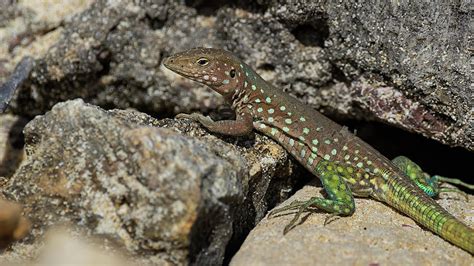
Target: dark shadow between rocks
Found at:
313, 33
432, 156
14, 150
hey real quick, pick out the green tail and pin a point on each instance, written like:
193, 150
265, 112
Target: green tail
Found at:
409, 199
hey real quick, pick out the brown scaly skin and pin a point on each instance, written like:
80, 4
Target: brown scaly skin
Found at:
345, 164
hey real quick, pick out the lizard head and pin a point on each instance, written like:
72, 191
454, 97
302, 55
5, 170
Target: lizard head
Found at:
216, 68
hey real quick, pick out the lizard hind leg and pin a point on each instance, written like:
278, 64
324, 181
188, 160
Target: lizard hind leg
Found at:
339, 201
429, 184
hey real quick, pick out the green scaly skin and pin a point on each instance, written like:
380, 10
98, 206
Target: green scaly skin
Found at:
345, 164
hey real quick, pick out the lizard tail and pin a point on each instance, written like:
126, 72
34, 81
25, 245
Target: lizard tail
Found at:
409, 199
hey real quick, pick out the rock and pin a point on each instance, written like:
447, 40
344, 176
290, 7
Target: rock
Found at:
110, 55
408, 64
150, 190
367, 60
374, 234
30, 28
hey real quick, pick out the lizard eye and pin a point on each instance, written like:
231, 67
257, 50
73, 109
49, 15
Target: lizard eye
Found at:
232, 73
202, 61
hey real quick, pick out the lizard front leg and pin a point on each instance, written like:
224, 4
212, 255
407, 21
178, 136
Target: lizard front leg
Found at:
242, 126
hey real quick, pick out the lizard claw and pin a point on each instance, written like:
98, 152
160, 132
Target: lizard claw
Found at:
330, 218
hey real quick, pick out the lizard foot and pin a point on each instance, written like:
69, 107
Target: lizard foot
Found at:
301, 206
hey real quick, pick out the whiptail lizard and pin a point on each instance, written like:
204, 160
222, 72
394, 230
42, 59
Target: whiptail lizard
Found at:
346, 165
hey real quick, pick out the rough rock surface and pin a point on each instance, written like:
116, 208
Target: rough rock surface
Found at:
151, 190
402, 63
374, 234
31, 27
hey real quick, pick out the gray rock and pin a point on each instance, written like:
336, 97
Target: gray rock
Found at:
420, 54
374, 234
403, 64
110, 55
143, 185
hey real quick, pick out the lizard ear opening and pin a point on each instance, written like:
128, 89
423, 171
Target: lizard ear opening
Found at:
232, 73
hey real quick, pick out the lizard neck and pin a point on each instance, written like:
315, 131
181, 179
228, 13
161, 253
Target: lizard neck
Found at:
244, 95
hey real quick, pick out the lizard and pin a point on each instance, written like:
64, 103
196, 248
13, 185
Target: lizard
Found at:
346, 165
